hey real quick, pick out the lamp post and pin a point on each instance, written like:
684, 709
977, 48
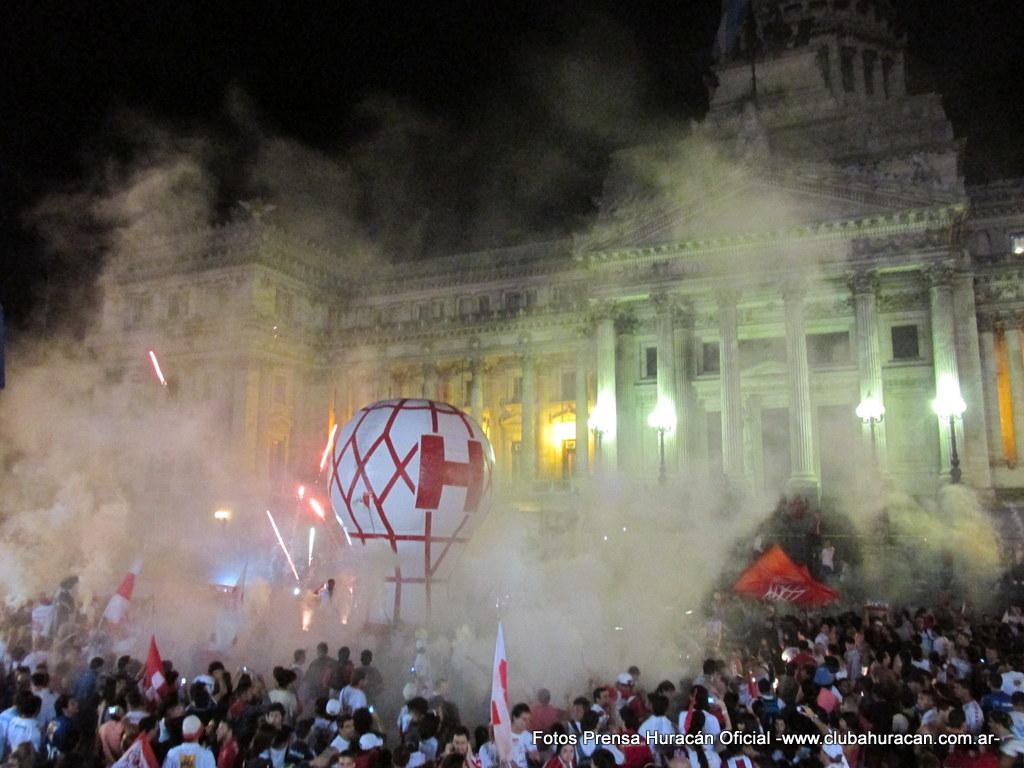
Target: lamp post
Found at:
871, 411
662, 419
949, 404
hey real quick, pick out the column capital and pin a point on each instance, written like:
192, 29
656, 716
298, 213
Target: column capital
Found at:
664, 303
793, 288
864, 282
602, 309
939, 275
626, 323
727, 295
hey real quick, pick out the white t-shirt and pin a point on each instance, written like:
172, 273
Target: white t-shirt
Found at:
589, 745
190, 755
522, 745
655, 724
1013, 682
339, 744
1017, 723
352, 699
827, 556
23, 729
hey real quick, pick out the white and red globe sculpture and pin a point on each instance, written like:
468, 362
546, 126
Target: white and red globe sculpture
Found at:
414, 477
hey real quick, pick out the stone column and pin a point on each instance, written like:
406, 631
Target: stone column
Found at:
754, 441
940, 292
582, 410
430, 379
528, 446
476, 388
803, 479
864, 286
974, 449
666, 385
690, 428
732, 405
1013, 352
606, 400
986, 337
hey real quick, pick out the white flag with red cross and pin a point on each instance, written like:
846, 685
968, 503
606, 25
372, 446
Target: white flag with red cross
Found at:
501, 721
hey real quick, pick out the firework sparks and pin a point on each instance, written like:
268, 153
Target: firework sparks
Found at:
156, 368
343, 529
301, 492
317, 508
327, 448
312, 540
284, 549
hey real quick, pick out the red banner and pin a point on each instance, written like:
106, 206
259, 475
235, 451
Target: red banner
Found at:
773, 576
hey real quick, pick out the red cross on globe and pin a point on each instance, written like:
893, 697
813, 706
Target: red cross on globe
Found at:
413, 476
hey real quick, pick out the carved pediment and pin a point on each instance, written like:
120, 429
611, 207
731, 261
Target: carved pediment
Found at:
755, 202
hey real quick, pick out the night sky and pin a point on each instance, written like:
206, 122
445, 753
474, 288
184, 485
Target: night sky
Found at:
479, 70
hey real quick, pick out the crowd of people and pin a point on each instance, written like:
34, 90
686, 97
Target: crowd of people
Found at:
936, 672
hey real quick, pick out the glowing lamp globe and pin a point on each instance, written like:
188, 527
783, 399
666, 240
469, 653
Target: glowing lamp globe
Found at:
412, 477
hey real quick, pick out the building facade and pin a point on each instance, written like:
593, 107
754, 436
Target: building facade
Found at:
808, 247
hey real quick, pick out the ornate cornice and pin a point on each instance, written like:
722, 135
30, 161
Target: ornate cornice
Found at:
863, 282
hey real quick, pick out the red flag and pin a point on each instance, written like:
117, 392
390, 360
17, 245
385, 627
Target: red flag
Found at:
116, 609
501, 721
773, 576
154, 682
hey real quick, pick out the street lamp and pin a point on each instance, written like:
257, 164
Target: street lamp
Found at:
871, 411
222, 515
949, 404
663, 419
601, 422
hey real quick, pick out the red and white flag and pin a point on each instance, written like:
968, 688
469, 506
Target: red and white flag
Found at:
139, 755
154, 682
501, 721
116, 609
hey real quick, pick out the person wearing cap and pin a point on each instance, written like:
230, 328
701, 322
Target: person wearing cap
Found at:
404, 720
190, 753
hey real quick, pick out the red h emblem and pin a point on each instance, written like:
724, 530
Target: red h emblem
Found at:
437, 472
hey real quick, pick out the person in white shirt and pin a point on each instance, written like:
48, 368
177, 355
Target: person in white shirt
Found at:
352, 696
658, 725
346, 734
190, 754
588, 745
974, 718
25, 725
1017, 714
523, 748
41, 688
1013, 682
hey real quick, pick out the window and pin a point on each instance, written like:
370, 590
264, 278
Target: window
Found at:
756, 351
886, 76
846, 66
828, 348
485, 305
467, 306
904, 343
280, 390
513, 302
283, 304
423, 312
825, 66
568, 385
709, 358
277, 459
650, 370
177, 305
138, 307
1017, 243
869, 72
517, 389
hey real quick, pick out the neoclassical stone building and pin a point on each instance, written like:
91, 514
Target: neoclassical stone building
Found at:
799, 252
